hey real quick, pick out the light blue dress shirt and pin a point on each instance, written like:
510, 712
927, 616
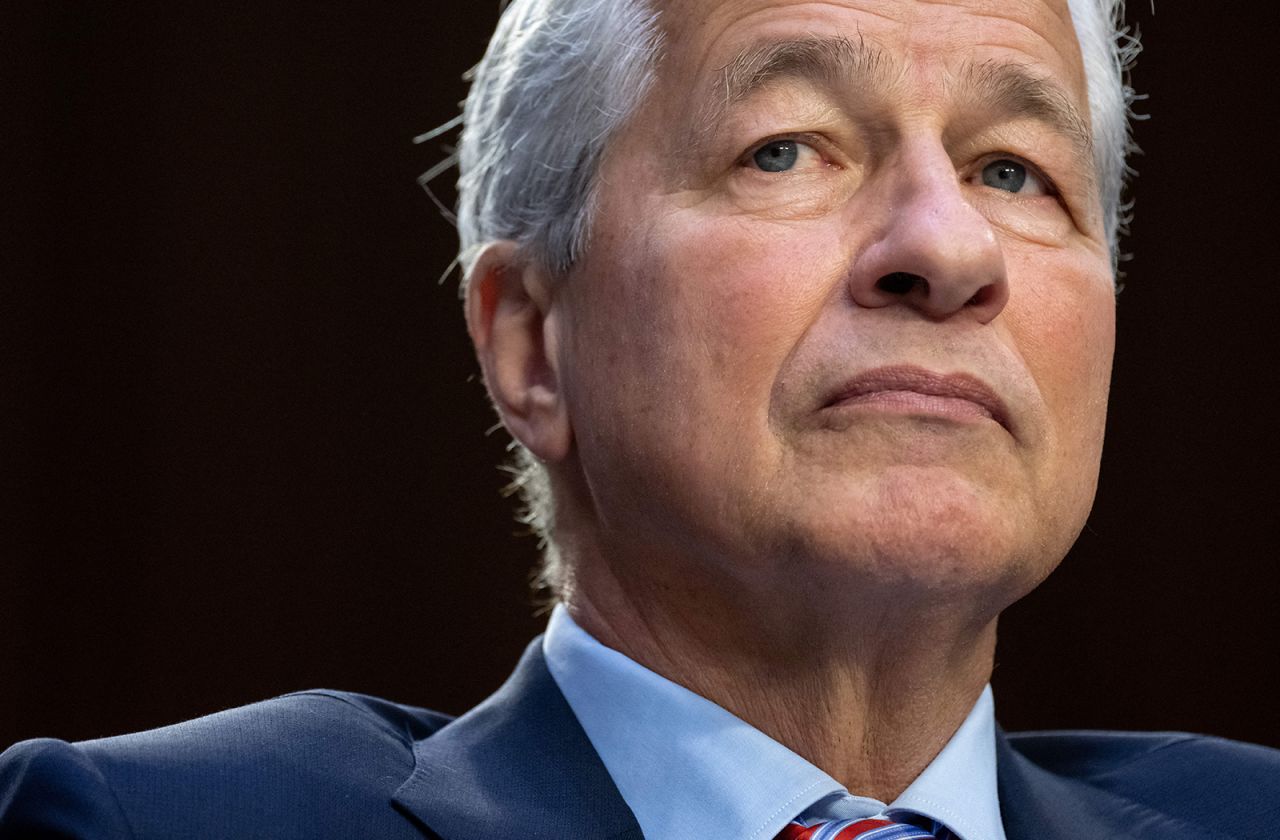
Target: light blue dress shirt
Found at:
687, 767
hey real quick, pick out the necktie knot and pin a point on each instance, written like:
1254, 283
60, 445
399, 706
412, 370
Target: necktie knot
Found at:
855, 830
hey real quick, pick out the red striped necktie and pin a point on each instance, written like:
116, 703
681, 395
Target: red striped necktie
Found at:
855, 830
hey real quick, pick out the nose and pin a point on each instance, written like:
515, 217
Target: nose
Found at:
935, 252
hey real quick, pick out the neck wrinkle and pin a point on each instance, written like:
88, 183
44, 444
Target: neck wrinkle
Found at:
869, 699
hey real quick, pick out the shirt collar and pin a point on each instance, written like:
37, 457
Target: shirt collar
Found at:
680, 760
959, 785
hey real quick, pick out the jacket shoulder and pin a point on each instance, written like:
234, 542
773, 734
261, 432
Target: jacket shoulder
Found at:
1193, 778
49, 788
315, 764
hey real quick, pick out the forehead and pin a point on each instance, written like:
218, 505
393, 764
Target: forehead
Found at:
924, 36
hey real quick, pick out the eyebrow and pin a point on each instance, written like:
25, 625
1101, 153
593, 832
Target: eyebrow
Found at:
830, 62
1014, 91
1005, 90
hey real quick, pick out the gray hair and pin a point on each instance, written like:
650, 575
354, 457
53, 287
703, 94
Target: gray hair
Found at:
561, 77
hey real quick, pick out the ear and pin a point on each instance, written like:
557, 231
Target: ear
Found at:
514, 327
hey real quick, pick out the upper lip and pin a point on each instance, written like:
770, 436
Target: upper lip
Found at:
922, 381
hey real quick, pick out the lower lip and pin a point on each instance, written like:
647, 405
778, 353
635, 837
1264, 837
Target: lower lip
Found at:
917, 404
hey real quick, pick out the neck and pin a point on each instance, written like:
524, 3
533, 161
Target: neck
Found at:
870, 697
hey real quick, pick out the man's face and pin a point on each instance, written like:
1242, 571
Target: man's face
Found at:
846, 315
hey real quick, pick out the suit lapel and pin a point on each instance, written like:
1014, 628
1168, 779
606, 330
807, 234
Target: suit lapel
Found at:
1036, 804
517, 765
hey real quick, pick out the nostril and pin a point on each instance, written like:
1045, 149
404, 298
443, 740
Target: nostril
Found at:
899, 282
982, 296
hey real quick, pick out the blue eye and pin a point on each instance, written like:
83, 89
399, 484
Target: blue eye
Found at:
1012, 176
1005, 175
778, 156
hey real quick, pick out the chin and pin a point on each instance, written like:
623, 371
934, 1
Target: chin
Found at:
932, 532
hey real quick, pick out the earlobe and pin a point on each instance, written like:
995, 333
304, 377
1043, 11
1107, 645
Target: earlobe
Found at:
514, 325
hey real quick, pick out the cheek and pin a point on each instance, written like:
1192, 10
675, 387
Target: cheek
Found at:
1066, 329
705, 306
679, 339
750, 289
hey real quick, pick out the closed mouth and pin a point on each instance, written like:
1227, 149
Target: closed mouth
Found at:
910, 387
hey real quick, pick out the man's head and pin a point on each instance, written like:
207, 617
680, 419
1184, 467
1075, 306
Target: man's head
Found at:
782, 283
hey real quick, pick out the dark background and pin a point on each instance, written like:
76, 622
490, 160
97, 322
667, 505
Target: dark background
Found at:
243, 446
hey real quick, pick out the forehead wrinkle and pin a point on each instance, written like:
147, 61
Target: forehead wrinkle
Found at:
1007, 89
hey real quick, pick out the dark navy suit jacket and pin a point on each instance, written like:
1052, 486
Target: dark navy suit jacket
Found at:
328, 764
